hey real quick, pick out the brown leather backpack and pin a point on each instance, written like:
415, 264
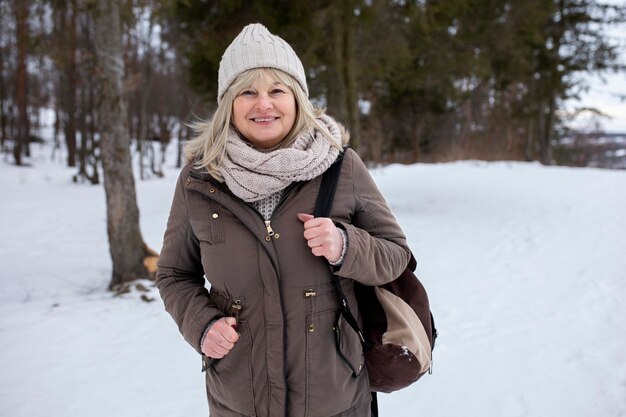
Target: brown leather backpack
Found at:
398, 333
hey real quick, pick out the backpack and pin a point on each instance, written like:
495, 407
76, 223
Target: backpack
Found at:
398, 333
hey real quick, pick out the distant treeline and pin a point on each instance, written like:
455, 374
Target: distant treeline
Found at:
413, 81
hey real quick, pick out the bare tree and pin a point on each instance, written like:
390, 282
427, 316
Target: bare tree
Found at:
5, 93
66, 33
88, 152
343, 95
21, 96
128, 250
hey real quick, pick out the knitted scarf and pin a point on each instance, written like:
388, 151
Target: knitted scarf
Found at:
253, 175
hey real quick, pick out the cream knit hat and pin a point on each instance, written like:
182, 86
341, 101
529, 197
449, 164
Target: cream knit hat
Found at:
256, 47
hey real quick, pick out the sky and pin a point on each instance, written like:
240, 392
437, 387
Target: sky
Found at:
604, 91
603, 95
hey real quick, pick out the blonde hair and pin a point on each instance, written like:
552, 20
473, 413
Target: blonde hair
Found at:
207, 150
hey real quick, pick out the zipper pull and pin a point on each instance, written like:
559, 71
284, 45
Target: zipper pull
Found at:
236, 307
268, 226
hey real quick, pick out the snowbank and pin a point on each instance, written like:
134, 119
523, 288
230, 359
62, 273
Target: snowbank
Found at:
524, 264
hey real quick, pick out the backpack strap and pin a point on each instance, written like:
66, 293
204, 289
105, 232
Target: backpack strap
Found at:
326, 194
323, 206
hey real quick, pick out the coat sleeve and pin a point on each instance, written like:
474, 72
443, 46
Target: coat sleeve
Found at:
180, 276
377, 249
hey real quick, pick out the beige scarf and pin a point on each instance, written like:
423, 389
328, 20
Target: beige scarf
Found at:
253, 175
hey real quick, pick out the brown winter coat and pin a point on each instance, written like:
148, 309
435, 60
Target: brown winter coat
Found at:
286, 362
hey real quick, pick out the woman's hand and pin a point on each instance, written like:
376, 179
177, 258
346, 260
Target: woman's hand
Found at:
322, 236
220, 338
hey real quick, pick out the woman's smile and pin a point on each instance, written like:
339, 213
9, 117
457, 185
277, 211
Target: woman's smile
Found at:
264, 113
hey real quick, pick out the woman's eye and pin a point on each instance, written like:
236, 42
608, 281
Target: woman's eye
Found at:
247, 92
277, 91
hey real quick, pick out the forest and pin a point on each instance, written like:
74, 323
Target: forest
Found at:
412, 80
115, 82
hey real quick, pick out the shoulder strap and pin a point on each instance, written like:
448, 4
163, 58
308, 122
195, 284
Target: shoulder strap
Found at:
323, 206
326, 195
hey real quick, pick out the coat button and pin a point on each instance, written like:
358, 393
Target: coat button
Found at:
267, 238
212, 190
276, 236
215, 215
188, 181
311, 328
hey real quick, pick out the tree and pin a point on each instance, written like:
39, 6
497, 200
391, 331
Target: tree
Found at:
573, 42
6, 94
128, 250
21, 93
66, 12
338, 23
88, 152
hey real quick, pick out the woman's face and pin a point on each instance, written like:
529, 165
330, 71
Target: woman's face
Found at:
265, 113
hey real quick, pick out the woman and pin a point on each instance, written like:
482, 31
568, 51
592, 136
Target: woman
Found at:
241, 219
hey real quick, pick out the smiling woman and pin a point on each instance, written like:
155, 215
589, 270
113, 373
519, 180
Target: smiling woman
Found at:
265, 111
241, 217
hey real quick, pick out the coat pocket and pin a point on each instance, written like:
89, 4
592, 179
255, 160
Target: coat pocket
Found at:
349, 345
331, 383
229, 380
209, 226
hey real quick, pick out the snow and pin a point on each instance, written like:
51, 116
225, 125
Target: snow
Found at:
524, 265
405, 352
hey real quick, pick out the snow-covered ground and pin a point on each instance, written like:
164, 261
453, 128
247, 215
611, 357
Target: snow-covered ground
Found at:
525, 266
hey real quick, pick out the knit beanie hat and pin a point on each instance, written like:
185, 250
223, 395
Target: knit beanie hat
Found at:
256, 47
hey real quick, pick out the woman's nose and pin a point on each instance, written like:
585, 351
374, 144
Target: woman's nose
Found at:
263, 101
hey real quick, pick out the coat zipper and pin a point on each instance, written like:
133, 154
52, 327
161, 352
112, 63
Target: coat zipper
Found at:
268, 222
268, 238
280, 290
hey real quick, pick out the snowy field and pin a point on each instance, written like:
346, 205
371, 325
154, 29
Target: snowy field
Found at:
525, 266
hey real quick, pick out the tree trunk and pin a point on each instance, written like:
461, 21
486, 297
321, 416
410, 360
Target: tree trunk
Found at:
128, 250
21, 14
342, 91
94, 145
71, 87
3, 93
56, 143
546, 138
350, 77
336, 86
554, 81
86, 151
143, 141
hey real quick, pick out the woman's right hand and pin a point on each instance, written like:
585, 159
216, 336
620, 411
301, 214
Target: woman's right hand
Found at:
220, 338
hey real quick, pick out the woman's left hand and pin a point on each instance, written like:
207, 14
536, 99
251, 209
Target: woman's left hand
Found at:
323, 237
